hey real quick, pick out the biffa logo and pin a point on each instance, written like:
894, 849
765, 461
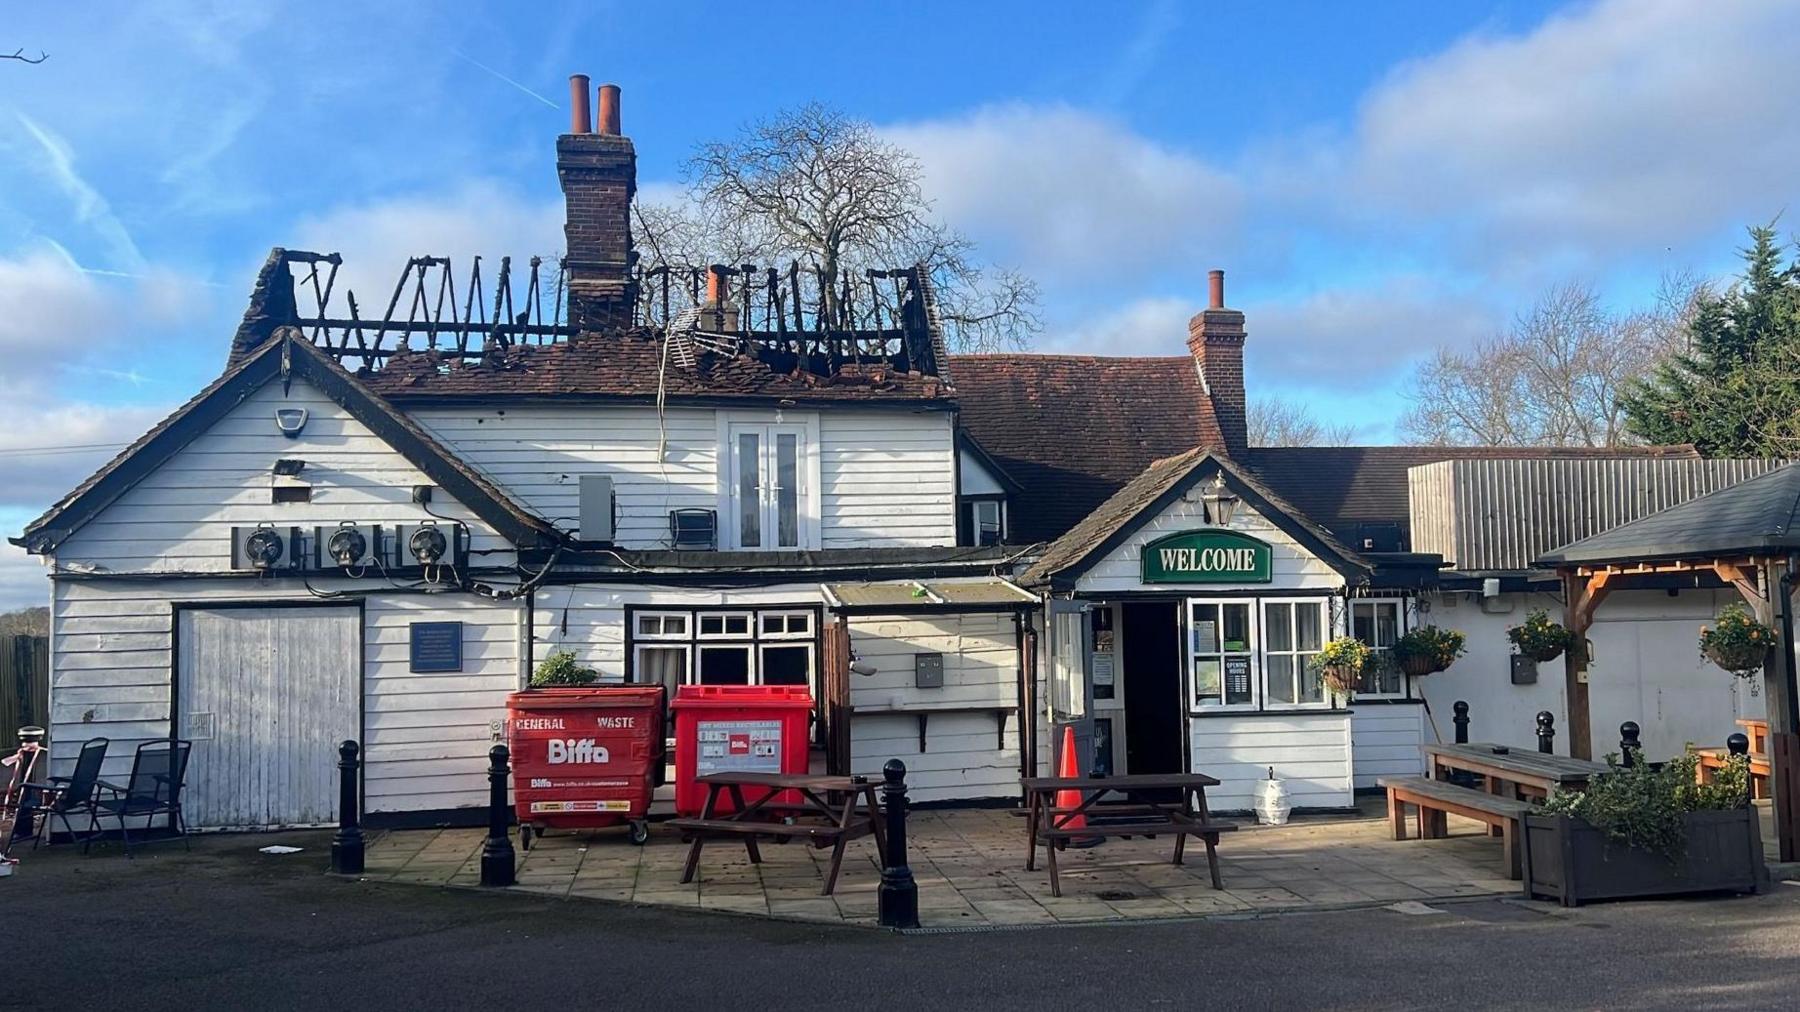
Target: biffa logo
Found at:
575, 750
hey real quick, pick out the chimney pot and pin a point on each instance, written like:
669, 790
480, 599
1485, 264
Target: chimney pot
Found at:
715, 284
579, 121
609, 110
1215, 281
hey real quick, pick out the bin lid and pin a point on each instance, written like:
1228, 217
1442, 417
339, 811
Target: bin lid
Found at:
737, 696
609, 697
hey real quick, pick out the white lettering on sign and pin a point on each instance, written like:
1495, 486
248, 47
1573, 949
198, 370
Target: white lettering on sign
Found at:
539, 723
1208, 560
575, 751
616, 723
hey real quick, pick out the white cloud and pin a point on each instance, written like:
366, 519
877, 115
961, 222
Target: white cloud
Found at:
57, 313
1356, 332
23, 583
1059, 191
54, 159
1150, 326
477, 218
1624, 127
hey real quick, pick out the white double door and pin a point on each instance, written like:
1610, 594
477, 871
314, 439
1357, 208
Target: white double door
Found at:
266, 695
768, 486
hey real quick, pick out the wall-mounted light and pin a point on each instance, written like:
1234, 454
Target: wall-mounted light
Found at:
1220, 501
290, 421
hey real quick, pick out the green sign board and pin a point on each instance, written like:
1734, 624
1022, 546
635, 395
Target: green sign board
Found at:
1206, 556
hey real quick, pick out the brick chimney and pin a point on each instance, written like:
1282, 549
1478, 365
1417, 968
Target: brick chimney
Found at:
1216, 340
598, 173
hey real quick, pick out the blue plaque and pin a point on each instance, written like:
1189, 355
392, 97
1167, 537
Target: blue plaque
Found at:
436, 646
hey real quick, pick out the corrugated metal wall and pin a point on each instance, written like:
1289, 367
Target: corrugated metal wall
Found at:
1503, 514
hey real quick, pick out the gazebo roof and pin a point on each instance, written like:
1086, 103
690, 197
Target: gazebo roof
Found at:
1760, 516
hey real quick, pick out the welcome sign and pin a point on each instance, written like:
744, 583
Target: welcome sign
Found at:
1206, 556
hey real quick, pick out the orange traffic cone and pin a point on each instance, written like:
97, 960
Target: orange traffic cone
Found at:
1068, 765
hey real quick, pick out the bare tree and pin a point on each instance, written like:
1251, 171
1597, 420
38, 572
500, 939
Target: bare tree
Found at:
1276, 422
19, 54
814, 185
1554, 378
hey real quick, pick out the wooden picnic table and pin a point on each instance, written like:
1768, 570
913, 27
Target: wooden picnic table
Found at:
1048, 824
831, 811
1514, 773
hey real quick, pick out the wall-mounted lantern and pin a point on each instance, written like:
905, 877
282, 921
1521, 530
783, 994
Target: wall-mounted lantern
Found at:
1220, 502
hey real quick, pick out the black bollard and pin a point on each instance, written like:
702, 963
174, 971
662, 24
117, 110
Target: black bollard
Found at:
1546, 728
897, 899
497, 850
1630, 749
347, 842
1461, 719
1738, 744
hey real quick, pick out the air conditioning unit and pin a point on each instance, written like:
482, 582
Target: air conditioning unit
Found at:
347, 546
266, 548
431, 544
694, 529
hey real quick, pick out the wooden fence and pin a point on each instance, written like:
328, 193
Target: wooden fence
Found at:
24, 686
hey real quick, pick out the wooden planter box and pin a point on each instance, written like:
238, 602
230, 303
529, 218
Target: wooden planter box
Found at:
1568, 860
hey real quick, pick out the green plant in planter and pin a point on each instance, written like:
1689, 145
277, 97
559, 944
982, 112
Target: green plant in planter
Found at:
1644, 806
1737, 642
560, 669
1340, 661
1539, 638
1428, 649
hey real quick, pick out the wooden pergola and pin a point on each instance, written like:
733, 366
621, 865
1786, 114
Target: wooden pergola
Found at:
1746, 537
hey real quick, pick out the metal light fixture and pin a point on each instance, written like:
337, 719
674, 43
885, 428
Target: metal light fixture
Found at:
290, 421
1220, 502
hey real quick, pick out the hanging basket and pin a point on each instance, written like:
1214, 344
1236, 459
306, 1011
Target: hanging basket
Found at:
1743, 660
1420, 664
1341, 678
1543, 654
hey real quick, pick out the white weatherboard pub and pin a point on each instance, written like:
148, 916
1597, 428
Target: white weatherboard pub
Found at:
376, 529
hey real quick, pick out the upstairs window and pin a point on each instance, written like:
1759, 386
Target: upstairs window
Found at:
981, 520
767, 487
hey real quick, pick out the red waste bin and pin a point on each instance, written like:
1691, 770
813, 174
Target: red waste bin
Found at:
737, 728
585, 757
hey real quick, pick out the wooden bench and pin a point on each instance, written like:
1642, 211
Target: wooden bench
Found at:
1435, 799
1712, 760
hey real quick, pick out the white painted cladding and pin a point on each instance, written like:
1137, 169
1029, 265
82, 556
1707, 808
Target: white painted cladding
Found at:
425, 736
1386, 740
886, 478
1311, 751
1291, 567
179, 518
964, 755
1646, 667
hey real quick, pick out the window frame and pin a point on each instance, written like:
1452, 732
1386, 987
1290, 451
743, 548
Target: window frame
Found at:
662, 634
768, 427
724, 616
1253, 651
968, 529
753, 641
1399, 603
1293, 604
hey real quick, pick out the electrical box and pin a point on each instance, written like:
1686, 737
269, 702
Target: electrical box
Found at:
1524, 670
346, 546
928, 671
431, 544
596, 507
266, 548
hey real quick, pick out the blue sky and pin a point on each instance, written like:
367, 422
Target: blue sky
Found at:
1376, 180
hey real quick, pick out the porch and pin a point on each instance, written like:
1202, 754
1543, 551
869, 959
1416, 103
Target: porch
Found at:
970, 868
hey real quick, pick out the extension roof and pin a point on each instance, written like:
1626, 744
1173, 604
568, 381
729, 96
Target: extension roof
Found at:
1160, 485
1758, 517
286, 354
1071, 430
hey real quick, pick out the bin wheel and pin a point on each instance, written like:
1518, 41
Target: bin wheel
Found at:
525, 835
640, 831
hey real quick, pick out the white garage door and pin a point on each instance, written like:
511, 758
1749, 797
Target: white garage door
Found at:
266, 695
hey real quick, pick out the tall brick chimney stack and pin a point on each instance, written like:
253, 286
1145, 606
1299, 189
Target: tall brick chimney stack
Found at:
598, 172
1216, 340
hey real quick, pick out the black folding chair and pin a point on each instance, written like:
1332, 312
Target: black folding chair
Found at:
157, 775
62, 797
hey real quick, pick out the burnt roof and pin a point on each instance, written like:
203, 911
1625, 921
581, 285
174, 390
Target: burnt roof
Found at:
1071, 430
631, 366
1342, 487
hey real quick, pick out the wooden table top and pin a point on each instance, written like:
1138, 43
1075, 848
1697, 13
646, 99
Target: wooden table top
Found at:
1526, 763
796, 781
1135, 781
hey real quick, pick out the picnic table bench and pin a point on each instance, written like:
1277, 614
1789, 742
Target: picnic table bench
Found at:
818, 817
1050, 825
1435, 799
